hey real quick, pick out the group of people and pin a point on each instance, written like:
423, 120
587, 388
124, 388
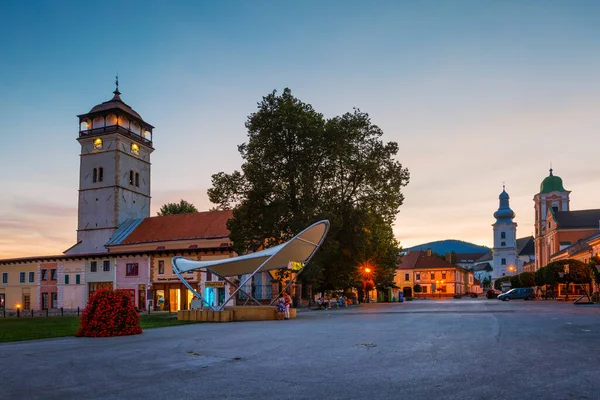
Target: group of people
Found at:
283, 305
325, 303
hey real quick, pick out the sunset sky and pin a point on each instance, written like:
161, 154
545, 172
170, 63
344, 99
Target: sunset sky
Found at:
476, 93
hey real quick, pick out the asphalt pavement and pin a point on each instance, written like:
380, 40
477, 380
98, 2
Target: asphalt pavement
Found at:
428, 349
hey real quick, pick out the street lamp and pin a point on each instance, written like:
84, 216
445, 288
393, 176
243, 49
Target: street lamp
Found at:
368, 278
18, 310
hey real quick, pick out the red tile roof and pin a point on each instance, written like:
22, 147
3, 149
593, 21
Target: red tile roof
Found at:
420, 259
200, 225
409, 259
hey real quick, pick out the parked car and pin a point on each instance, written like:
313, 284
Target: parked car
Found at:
520, 293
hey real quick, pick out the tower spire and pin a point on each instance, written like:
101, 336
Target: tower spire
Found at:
117, 95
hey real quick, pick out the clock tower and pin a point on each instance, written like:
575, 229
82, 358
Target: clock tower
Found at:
114, 172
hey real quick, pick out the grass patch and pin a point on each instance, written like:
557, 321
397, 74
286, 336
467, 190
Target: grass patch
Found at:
16, 329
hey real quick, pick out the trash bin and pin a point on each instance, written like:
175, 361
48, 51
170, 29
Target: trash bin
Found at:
400, 297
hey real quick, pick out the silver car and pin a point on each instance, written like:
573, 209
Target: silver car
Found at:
520, 293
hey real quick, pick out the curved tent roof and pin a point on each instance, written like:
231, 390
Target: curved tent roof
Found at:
299, 249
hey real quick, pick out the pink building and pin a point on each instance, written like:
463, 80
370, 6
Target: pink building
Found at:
133, 275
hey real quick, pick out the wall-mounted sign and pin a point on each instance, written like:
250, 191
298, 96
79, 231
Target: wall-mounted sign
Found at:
215, 284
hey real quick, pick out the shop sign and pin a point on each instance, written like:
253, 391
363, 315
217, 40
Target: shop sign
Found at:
215, 284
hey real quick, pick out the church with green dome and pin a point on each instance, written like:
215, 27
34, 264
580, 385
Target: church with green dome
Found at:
557, 227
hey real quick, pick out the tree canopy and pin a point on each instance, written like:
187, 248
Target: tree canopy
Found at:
299, 167
183, 207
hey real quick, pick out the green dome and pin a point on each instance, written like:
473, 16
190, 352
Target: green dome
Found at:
551, 184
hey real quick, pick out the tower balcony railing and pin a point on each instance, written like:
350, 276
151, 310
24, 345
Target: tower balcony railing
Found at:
112, 129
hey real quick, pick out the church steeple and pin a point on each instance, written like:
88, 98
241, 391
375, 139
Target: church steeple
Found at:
505, 259
504, 213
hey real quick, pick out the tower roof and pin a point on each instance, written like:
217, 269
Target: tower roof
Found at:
552, 183
504, 213
113, 103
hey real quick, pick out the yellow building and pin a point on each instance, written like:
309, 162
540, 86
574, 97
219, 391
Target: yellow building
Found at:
435, 276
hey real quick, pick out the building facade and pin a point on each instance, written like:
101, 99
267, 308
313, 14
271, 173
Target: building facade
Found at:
435, 276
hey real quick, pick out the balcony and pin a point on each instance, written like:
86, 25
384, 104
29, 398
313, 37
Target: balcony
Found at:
115, 129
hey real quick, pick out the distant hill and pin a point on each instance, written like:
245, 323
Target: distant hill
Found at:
446, 246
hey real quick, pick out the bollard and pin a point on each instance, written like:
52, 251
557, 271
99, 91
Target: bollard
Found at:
62, 314
18, 309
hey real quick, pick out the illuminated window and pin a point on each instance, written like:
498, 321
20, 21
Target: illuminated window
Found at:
98, 144
135, 149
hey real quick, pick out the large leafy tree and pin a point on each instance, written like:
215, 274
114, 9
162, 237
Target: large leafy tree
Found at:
183, 207
299, 167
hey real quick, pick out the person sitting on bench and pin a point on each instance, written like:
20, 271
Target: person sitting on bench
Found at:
323, 304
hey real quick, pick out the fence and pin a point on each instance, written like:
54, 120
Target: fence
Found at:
52, 312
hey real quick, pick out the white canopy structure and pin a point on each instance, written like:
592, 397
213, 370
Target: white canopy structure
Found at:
297, 252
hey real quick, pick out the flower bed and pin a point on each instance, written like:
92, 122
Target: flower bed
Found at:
109, 313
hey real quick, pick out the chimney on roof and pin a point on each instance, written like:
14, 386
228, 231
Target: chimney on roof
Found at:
429, 252
449, 257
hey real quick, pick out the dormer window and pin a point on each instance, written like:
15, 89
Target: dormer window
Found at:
98, 144
135, 149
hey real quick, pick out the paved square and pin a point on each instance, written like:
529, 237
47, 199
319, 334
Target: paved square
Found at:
450, 349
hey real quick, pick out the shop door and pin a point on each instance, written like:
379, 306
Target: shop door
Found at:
221, 296
174, 299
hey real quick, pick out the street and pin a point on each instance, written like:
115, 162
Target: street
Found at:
426, 349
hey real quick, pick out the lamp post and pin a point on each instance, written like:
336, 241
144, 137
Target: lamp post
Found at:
597, 269
368, 275
18, 310
565, 274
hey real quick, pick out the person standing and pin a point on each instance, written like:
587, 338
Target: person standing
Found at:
288, 303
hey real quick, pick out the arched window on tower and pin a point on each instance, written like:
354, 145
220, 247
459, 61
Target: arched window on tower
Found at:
502, 235
131, 177
137, 179
100, 174
503, 261
95, 175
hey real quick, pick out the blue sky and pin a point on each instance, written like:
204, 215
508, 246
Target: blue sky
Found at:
475, 92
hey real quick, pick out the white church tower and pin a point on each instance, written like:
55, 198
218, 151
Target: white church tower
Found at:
505, 239
114, 174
